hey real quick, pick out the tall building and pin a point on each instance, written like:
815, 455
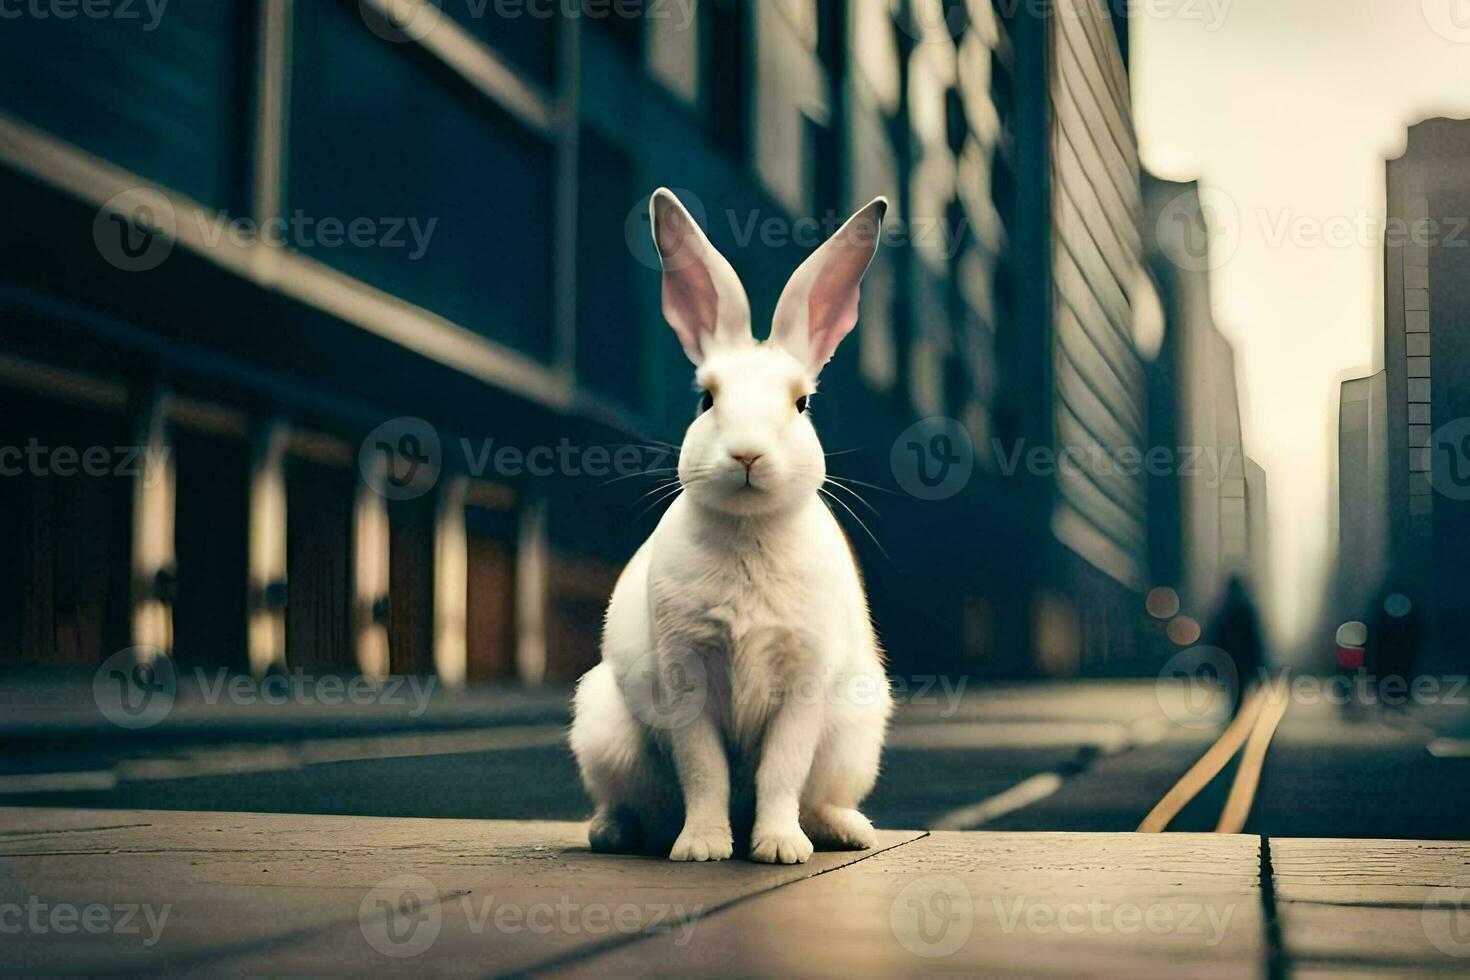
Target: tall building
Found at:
1204, 528
1075, 382
1426, 347
1258, 511
1362, 496
377, 299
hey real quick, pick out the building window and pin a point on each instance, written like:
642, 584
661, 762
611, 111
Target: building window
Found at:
726, 35
673, 51
409, 161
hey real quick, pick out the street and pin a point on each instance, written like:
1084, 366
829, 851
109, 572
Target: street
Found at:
368, 841
1086, 756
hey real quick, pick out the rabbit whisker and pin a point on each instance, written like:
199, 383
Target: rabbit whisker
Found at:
668, 496
860, 483
659, 489
838, 500
860, 498
634, 476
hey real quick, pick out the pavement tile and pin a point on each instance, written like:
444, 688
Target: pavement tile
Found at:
1373, 907
260, 893
989, 903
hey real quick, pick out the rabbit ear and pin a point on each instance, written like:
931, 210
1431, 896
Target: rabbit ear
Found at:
820, 304
703, 299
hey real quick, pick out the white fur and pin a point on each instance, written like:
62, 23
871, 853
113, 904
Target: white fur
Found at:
741, 685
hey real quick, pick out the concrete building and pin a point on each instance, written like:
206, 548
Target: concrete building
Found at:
375, 294
1426, 348
1362, 532
1073, 379
1204, 528
1258, 512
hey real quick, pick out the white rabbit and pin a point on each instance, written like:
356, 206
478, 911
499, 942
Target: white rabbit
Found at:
740, 678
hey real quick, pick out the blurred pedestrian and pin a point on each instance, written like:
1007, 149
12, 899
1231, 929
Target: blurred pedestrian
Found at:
1395, 638
1236, 629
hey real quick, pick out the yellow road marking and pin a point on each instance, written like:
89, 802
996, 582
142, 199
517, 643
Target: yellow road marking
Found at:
1208, 766
1248, 776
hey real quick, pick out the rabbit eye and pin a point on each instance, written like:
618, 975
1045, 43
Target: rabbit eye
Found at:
801, 403
706, 402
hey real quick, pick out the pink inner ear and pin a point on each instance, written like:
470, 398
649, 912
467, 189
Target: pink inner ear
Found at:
833, 304
690, 302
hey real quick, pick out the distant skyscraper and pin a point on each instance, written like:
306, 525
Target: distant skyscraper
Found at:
1258, 518
1200, 523
1426, 349
1362, 494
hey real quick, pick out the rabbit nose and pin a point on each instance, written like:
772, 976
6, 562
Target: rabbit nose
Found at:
746, 460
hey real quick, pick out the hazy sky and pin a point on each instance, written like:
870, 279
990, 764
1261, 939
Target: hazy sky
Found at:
1288, 109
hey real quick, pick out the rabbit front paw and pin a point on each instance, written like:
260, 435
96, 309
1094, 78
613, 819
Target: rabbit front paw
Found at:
780, 846
703, 844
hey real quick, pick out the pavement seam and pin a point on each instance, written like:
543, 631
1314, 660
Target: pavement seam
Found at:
582, 954
1276, 964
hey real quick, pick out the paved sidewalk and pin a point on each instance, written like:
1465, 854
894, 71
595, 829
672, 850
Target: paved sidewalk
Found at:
179, 893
